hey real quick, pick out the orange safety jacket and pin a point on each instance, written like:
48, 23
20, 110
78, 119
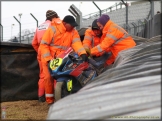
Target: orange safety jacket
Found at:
114, 39
90, 39
56, 40
39, 33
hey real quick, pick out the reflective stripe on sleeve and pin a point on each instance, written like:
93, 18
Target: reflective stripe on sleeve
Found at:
52, 41
53, 29
99, 48
75, 40
112, 37
120, 29
86, 46
59, 47
124, 37
46, 54
80, 50
44, 42
88, 37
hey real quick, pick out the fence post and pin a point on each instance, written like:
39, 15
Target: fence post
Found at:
97, 7
34, 18
126, 5
2, 32
20, 27
126, 26
135, 28
152, 8
28, 38
120, 5
142, 24
78, 14
126, 13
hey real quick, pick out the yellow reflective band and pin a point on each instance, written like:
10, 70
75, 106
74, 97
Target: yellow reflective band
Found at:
69, 85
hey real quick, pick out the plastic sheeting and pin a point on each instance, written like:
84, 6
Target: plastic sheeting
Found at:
19, 72
130, 89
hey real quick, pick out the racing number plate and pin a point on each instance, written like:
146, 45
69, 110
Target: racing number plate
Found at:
55, 63
69, 85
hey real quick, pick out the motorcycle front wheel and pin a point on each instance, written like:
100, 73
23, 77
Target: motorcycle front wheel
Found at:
60, 90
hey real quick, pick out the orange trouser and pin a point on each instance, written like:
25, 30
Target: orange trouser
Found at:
49, 83
41, 85
41, 88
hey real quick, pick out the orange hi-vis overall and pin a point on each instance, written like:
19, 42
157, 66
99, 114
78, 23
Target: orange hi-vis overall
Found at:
90, 39
35, 43
114, 39
55, 41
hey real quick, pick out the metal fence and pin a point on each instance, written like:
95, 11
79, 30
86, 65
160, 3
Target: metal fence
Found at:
116, 6
134, 21
24, 39
134, 27
139, 14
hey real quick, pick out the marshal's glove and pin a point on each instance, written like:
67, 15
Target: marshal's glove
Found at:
84, 57
87, 50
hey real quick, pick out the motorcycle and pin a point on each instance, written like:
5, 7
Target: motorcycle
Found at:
70, 72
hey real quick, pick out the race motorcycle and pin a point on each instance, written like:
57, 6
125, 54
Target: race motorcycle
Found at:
72, 73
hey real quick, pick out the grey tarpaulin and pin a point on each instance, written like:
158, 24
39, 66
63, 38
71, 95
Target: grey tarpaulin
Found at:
19, 72
131, 89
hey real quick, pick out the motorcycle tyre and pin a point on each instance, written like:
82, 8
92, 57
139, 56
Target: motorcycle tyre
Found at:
58, 90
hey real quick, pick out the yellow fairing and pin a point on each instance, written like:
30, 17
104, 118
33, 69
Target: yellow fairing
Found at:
69, 85
55, 63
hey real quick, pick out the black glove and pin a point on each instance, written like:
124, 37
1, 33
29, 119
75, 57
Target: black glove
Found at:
88, 50
48, 61
84, 57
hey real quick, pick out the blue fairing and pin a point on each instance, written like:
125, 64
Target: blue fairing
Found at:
61, 79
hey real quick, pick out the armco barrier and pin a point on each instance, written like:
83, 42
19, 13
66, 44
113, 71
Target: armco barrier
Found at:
130, 89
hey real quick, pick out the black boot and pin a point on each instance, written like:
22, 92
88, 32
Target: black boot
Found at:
42, 99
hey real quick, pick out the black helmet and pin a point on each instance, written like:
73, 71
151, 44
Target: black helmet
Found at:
94, 25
